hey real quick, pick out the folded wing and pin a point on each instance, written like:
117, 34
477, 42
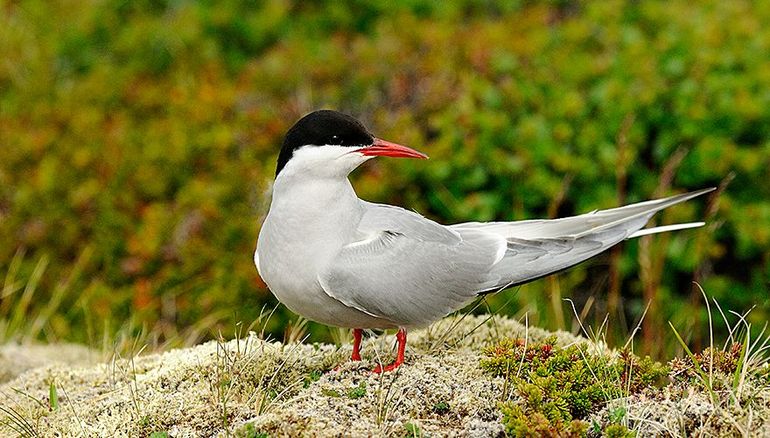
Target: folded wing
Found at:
411, 270
568, 241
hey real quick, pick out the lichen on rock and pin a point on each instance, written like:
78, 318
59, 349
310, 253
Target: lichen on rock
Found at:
278, 389
251, 387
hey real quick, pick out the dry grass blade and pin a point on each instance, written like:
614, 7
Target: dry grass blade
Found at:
385, 399
651, 257
621, 182
10, 284
57, 297
18, 423
754, 357
577, 317
637, 327
296, 331
19, 313
439, 342
705, 379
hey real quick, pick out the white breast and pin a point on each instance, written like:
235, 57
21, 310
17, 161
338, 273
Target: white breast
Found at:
309, 221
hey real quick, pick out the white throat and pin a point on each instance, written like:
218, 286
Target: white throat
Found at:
316, 162
314, 210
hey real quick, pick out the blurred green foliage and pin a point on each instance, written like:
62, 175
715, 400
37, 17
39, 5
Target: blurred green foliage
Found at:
144, 134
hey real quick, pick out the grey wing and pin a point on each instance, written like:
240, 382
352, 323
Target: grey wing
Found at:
410, 270
529, 259
629, 216
537, 248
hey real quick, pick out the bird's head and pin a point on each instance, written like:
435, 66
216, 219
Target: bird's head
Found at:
329, 143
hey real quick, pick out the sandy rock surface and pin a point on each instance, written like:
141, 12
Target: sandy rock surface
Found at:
250, 385
15, 359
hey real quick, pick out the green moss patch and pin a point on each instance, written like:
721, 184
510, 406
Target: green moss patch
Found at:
556, 389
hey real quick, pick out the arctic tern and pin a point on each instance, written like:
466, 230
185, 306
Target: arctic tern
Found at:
342, 261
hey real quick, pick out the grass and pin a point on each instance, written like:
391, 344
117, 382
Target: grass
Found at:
21, 322
17, 325
412, 430
387, 395
357, 392
123, 375
26, 422
571, 390
729, 374
238, 372
53, 396
18, 422
237, 367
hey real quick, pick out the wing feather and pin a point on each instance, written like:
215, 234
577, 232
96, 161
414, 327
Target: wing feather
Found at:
410, 270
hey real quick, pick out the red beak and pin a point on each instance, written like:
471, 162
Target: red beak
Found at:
382, 148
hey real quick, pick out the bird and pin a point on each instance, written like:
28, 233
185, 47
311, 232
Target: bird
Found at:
342, 261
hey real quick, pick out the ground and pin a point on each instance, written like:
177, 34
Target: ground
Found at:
253, 388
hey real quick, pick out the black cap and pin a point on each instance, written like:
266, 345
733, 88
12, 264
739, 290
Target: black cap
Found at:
323, 127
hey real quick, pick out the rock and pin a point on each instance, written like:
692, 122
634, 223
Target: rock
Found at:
255, 386
15, 359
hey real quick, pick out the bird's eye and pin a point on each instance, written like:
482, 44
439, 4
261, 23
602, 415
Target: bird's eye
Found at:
335, 138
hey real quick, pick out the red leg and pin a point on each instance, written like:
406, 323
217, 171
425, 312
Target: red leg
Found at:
356, 345
401, 338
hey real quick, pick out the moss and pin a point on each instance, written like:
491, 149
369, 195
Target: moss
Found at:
523, 422
412, 430
330, 392
724, 362
441, 408
560, 387
250, 431
358, 392
311, 377
618, 431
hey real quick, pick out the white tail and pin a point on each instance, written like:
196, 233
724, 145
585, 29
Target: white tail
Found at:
664, 228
